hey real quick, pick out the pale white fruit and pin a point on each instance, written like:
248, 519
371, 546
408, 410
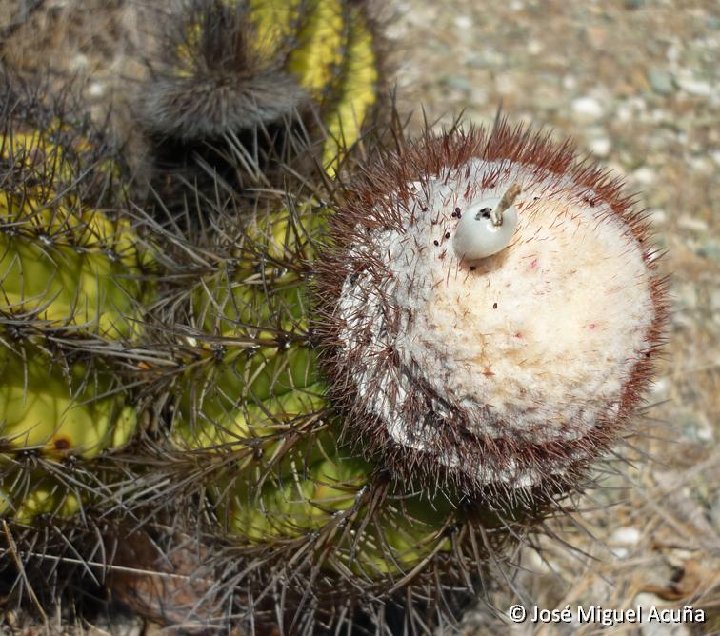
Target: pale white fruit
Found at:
477, 236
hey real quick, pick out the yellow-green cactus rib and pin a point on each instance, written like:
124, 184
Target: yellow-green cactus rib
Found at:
406, 531
311, 483
318, 489
69, 275
224, 412
58, 409
24, 497
320, 45
256, 375
50, 159
275, 23
60, 262
336, 62
355, 95
33, 151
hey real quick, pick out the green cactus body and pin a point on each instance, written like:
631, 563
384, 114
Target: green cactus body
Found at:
55, 409
331, 431
71, 281
257, 396
319, 489
356, 93
61, 262
408, 531
255, 374
44, 496
335, 61
275, 24
313, 482
69, 271
318, 50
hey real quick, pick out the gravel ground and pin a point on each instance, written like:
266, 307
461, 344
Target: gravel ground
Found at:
637, 84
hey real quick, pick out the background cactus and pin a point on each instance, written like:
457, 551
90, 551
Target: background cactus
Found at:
246, 451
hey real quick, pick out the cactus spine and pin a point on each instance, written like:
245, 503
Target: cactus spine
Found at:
233, 65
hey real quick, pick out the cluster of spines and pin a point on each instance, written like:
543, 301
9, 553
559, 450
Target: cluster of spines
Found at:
74, 281
267, 83
251, 448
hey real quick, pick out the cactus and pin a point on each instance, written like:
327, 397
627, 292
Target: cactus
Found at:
57, 410
326, 401
328, 438
485, 359
257, 398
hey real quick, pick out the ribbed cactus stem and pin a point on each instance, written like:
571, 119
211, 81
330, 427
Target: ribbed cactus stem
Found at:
72, 294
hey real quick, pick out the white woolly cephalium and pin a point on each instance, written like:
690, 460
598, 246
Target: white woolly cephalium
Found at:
494, 355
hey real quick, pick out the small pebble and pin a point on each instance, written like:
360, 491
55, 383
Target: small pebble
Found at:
710, 251
659, 390
478, 96
700, 165
661, 81
625, 535
693, 425
622, 539
644, 176
600, 146
715, 300
458, 82
687, 222
535, 47
537, 562
658, 217
693, 86
586, 110
79, 61
647, 601
569, 82
463, 22
96, 89
505, 84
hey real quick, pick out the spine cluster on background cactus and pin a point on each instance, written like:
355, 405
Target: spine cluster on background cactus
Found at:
231, 66
344, 394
